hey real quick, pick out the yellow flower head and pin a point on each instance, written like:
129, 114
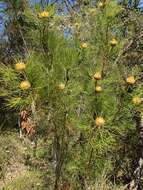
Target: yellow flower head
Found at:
92, 10
77, 25
83, 45
25, 85
98, 89
97, 76
99, 121
101, 5
44, 14
20, 66
137, 100
61, 86
130, 80
113, 42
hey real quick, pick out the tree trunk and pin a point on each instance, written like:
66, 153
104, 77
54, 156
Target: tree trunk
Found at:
136, 183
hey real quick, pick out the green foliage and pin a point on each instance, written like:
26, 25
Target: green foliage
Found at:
63, 88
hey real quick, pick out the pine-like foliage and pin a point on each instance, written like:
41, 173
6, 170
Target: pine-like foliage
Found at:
85, 94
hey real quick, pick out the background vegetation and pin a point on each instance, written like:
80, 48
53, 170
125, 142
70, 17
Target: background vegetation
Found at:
76, 68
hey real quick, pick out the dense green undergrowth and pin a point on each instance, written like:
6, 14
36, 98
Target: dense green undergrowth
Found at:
20, 170
77, 95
